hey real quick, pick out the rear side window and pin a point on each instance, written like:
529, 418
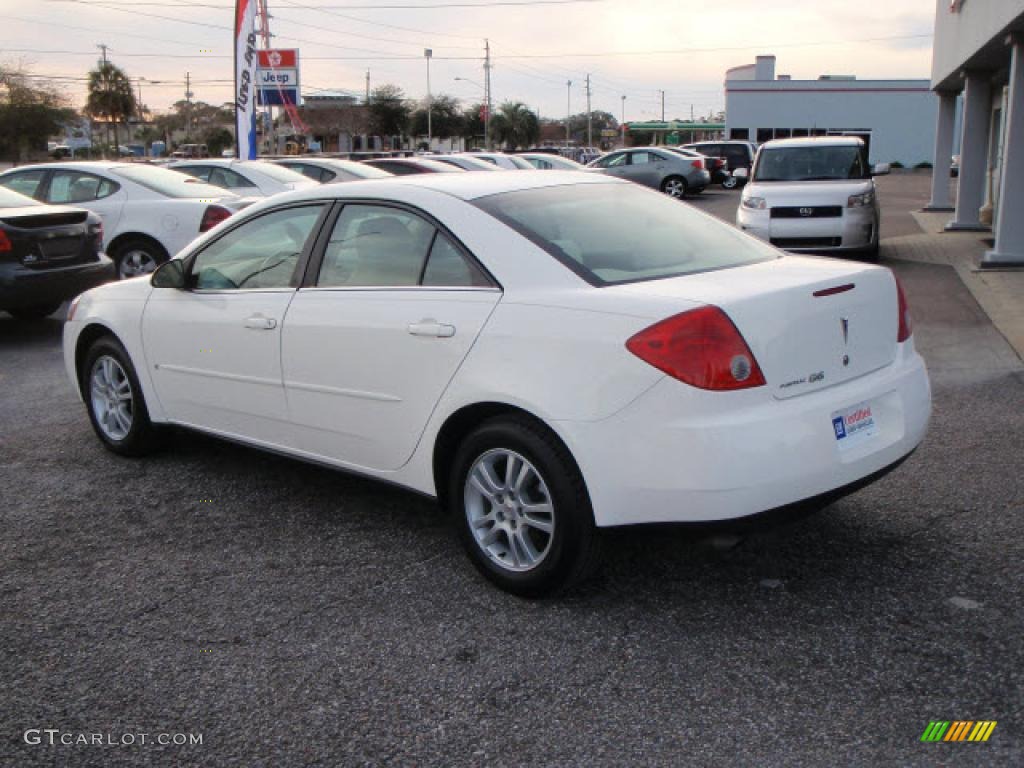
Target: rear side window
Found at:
228, 179
69, 187
378, 246
620, 233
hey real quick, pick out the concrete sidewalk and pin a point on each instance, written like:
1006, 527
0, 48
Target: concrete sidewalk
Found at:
999, 292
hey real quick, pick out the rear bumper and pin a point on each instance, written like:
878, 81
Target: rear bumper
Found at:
856, 229
678, 454
24, 287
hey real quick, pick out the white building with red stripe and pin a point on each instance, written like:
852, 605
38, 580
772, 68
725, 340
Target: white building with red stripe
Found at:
895, 117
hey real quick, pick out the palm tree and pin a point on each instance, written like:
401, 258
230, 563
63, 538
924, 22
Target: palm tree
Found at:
515, 125
110, 95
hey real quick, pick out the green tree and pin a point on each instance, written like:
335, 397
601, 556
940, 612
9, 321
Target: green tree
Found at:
111, 97
29, 114
599, 122
389, 111
515, 125
217, 140
445, 118
472, 122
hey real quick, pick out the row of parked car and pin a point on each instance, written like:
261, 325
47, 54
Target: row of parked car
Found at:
70, 225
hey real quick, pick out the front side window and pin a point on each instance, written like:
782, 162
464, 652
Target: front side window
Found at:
612, 161
619, 233
24, 182
261, 253
69, 187
378, 246
812, 163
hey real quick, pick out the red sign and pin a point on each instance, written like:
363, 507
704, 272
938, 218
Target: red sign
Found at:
275, 58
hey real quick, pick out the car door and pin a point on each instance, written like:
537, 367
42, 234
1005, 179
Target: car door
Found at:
87, 190
215, 349
371, 343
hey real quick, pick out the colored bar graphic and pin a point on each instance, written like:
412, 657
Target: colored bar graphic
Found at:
958, 730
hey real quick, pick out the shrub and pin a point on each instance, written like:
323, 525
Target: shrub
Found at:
923, 166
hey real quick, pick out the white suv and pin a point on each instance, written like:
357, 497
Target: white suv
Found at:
813, 194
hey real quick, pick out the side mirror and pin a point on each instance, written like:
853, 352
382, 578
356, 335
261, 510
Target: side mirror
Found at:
170, 274
882, 169
741, 173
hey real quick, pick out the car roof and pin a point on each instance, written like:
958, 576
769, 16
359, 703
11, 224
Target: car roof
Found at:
82, 165
817, 141
465, 186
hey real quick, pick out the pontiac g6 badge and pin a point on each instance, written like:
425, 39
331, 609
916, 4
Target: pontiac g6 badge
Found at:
806, 211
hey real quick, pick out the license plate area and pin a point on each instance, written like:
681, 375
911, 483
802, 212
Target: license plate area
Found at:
854, 426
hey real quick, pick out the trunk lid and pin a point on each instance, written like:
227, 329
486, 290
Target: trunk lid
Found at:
810, 322
49, 236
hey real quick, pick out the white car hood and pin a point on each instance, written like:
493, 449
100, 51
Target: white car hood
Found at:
787, 193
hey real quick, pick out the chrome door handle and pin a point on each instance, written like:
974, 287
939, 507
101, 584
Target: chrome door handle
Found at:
430, 327
260, 323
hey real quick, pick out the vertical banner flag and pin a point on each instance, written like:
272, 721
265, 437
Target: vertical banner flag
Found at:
245, 71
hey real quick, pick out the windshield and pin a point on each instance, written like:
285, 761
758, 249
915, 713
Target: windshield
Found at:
167, 182
620, 233
276, 172
9, 199
820, 163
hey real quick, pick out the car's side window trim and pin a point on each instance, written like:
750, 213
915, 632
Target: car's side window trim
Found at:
312, 273
300, 268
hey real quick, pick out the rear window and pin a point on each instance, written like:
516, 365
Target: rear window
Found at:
169, 183
620, 233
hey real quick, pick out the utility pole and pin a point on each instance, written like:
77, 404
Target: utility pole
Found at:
367, 86
662, 106
427, 53
568, 109
487, 94
590, 118
103, 47
188, 105
691, 113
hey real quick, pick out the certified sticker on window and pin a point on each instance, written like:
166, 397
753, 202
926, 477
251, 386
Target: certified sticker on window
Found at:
854, 425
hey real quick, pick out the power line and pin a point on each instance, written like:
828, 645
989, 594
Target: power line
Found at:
380, 7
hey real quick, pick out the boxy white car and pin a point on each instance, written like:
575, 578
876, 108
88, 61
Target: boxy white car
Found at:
148, 212
547, 353
813, 194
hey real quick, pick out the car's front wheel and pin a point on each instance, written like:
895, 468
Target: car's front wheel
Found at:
113, 397
522, 509
730, 183
674, 186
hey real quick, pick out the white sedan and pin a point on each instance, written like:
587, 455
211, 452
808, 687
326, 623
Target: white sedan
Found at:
547, 353
249, 178
149, 213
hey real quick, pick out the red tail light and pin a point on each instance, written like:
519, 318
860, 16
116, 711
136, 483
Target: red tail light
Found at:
906, 327
5, 242
96, 230
212, 216
698, 164
702, 348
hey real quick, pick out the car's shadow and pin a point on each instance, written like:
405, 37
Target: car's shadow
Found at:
15, 332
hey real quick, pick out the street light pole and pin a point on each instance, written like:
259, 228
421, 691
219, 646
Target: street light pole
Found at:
487, 94
568, 109
622, 124
427, 53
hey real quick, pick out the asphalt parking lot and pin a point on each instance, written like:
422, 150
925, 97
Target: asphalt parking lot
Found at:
293, 615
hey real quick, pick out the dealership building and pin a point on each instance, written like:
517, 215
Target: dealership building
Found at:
978, 61
896, 118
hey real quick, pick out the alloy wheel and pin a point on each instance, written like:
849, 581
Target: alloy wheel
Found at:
674, 188
110, 392
509, 510
136, 262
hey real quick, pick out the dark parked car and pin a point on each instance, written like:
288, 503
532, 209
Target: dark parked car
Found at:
48, 254
404, 166
738, 154
718, 167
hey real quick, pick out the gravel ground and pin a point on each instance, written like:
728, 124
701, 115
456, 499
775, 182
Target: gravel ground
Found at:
298, 616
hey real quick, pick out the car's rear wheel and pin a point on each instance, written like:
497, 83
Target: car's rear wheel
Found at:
730, 183
113, 397
137, 256
36, 311
674, 186
522, 509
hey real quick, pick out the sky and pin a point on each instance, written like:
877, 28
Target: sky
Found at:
629, 48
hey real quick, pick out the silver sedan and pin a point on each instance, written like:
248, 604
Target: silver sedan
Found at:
672, 173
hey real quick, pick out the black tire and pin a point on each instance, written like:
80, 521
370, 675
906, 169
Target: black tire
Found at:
143, 436
574, 548
137, 256
730, 183
674, 186
36, 311
871, 253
